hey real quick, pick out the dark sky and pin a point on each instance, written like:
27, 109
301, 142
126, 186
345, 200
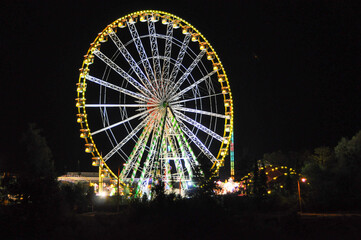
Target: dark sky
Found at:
293, 66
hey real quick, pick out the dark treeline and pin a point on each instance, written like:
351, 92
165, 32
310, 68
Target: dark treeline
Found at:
333, 174
334, 177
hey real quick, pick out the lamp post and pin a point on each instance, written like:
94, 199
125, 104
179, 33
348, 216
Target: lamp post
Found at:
299, 191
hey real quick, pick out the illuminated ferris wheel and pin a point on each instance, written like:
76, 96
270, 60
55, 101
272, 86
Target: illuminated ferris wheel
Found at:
153, 99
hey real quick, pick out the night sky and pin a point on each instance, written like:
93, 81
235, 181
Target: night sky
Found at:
293, 66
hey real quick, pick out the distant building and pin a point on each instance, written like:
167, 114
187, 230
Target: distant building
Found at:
90, 178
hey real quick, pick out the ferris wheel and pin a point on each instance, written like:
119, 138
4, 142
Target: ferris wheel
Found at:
153, 98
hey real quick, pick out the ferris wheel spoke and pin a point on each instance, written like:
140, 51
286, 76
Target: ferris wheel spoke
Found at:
188, 71
138, 71
120, 105
142, 54
167, 51
122, 73
196, 98
196, 141
116, 88
126, 139
137, 153
155, 52
195, 84
202, 112
185, 148
139, 115
199, 126
180, 57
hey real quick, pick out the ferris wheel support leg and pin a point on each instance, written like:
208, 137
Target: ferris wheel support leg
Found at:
183, 140
165, 166
148, 165
101, 182
178, 165
160, 140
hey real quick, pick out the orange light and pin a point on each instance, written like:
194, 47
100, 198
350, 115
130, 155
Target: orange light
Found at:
303, 179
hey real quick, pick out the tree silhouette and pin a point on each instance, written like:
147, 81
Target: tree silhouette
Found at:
336, 186
38, 160
36, 178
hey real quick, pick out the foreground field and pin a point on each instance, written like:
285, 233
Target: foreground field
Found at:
178, 220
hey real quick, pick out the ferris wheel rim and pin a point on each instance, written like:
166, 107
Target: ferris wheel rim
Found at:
91, 51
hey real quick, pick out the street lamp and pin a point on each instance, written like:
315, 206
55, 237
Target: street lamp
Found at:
299, 191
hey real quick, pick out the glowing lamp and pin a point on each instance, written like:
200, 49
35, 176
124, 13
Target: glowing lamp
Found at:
194, 38
110, 29
216, 66
84, 133
80, 102
80, 118
142, 18
94, 46
164, 21
224, 91
303, 179
122, 24
175, 25
131, 20
89, 148
185, 30
83, 72
154, 18
103, 39
202, 46
90, 61
81, 87
96, 161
